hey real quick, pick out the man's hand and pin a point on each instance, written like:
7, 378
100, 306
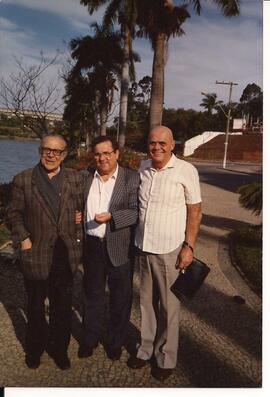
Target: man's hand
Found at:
103, 217
26, 244
78, 217
185, 258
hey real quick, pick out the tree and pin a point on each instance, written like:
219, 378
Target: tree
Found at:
138, 110
80, 112
158, 21
125, 13
252, 102
98, 64
30, 96
210, 102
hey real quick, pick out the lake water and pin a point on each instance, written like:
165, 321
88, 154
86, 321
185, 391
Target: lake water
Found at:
16, 156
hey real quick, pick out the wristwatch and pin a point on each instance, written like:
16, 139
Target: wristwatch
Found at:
186, 244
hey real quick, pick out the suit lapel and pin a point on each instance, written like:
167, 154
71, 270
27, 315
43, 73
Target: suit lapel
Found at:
119, 187
65, 195
43, 203
87, 185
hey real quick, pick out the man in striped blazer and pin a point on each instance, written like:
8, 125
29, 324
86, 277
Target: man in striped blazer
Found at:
41, 217
111, 211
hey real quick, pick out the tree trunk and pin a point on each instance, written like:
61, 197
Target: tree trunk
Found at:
157, 90
124, 89
103, 121
88, 140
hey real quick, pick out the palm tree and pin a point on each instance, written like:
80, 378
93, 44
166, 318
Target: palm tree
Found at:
99, 57
158, 21
124, 12
251, 197
210, 103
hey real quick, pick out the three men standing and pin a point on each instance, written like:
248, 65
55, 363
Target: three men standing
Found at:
169, 219
41, 217
111, 211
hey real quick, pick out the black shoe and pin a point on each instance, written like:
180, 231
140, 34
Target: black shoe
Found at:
85, 351
161, 373
136, 363
62, 361
114, 354
32, 362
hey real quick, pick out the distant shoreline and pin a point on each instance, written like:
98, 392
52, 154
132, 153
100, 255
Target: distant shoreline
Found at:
18, 138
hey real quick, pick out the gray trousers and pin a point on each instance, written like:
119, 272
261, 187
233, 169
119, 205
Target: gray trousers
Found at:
160, 309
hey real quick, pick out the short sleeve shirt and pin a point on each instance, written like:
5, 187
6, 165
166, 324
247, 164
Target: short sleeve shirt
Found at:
163, 196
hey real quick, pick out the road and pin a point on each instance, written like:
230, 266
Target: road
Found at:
231, 178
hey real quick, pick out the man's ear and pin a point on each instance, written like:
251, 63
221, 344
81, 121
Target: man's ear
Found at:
64, 155
172, 145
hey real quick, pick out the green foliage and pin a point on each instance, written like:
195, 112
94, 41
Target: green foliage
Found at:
247, 253
9, 121
5, 196
186, 123
210, 102
127, 158
251, 197
251, 101
4, 235
157, 17
91, 83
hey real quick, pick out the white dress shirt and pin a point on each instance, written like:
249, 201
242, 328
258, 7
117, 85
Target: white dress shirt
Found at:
98, 201
163, 196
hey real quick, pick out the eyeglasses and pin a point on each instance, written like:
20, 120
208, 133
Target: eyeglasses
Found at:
107, 155
55, 152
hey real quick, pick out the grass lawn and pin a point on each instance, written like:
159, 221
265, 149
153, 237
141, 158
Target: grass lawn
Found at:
247, 254
4, 235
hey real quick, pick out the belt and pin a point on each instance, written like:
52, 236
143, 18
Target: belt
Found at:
100, 239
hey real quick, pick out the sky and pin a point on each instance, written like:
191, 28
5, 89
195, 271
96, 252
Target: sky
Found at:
212, 48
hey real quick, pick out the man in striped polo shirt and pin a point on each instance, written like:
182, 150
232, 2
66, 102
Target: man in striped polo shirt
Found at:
169, 220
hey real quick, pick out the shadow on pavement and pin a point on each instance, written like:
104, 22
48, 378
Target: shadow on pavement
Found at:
13, 298
236, 321
223, 223
205, 368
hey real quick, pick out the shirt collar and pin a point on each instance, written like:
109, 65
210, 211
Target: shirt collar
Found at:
113, 176
170, 164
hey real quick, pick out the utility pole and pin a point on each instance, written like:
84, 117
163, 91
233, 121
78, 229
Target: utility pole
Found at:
231, 84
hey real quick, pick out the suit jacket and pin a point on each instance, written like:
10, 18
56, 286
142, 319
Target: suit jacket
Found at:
124, 209
29, 215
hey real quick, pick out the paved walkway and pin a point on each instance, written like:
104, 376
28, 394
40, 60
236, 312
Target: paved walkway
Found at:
220, 339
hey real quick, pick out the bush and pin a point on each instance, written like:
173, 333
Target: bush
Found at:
128, 158
247, 254
251, 197
4, 235
5, 196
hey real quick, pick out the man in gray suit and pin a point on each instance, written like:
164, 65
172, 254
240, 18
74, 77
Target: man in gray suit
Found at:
111, 211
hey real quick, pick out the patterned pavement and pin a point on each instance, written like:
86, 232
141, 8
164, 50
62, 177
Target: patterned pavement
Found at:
220, 339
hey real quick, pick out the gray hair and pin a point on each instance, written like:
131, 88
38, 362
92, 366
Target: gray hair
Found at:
52, 135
